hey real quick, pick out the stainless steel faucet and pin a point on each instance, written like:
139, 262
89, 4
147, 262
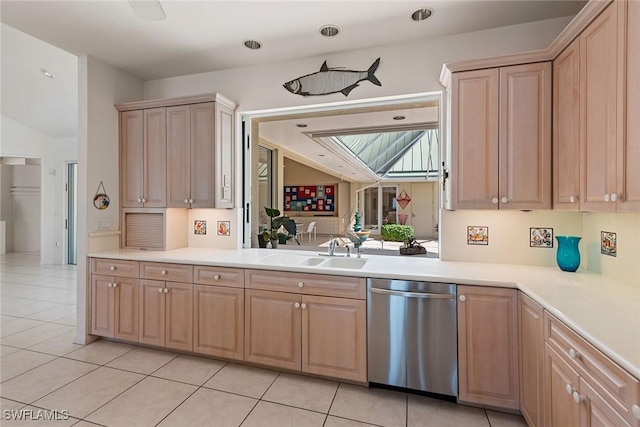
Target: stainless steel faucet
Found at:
348, 251
332, 246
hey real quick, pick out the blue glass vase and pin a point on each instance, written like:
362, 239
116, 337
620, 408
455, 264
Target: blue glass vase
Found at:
568, 255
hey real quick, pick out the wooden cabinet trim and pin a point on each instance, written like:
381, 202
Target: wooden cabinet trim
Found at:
312, 284
218, 276
172, 272
531, 352
115, 267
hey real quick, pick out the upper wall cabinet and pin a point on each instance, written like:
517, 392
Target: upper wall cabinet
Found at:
178, 153
500, 142
143, 158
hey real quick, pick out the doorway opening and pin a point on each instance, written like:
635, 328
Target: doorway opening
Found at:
71, 223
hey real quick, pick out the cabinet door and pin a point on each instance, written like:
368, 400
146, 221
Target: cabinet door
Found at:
155, 158
525, 136
629, 152
131, 158
218, 321
595, 411
334, 337
179, 316
474, 140
178, 156
102, 306
127, 303
488, 346
560, 381
566, 129
531, 327
598, 111
152, 312
273, 329
225, 158
203, 179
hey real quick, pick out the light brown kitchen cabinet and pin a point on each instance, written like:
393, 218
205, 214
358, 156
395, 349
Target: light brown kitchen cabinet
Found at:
561, 381
600, 110
531, 351
166, 318
114, 305
273, 329
566, 129
488, 346
225, 166
143, 158
218, 321
501, 138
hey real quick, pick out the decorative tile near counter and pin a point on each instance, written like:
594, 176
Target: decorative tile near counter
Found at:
200, 227
541, 237
477, 235
608, 243
224, 228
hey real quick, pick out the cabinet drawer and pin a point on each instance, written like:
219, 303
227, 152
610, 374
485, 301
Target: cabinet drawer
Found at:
166, 272
600, 371
219, 276
115, 267
309, 284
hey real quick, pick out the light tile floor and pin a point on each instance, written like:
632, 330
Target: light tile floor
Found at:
114, 384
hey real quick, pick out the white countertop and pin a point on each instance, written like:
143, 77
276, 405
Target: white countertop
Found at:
603, 311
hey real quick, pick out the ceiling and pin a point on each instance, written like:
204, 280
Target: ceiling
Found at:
201, 36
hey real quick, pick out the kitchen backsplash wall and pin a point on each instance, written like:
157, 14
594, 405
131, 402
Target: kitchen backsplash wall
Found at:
625, 265
213, 228
508, 235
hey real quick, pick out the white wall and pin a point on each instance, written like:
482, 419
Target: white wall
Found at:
100, 86
19, 140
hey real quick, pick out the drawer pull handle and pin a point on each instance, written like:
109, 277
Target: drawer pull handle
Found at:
166, 290
635, 409
572, 199
304, 306
216, 277
159, 290
300, 284
570, 389
574, 354
577, 397
112, 268
296, 305
163, 272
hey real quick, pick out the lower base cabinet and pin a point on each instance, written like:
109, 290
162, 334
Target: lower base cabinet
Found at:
318, 335
114, 307
531, 334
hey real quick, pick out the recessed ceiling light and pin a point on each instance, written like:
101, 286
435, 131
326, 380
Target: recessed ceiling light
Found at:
252, 44
399, 117
421, 14
301, 125
329, 30
321, 155
340, 166
46, 73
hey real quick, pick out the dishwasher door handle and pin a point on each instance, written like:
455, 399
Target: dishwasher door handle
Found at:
412, 294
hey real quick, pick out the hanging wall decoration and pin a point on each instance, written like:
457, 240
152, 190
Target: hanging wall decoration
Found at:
332, 80
310, 198
101, 200
403, 199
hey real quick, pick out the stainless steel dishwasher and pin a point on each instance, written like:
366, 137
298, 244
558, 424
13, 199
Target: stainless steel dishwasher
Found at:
412, 335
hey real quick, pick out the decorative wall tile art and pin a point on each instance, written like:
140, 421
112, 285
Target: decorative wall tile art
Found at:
200, 227
477, 235
309, 198
608, 243
541, 237
224, 228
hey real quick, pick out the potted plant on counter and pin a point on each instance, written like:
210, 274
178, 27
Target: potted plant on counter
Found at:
412, 247
275, 222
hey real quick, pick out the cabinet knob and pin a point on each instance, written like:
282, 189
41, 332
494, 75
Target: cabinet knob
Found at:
494, 200
144, 200
614, 197
109, 285
216, 277
570, 389
463, 298
115, 285
304, 306
574, 354
166, 290
635, 409
159, 290
606, 197
139, 200
163, 272
296, 305
300, 284
504, 200
186, 200
112, 268
577, 397
572, 199
190, 200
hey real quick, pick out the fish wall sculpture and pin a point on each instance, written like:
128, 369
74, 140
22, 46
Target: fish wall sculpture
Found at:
332, 80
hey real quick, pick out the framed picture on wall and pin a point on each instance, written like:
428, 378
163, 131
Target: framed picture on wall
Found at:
310, 198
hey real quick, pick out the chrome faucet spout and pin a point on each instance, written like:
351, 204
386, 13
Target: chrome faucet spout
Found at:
332, 246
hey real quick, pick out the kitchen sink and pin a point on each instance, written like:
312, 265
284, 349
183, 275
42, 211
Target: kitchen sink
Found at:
353, 263
312, 261
284, 259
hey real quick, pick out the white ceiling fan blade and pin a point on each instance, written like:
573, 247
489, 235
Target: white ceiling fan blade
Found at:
148, 10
